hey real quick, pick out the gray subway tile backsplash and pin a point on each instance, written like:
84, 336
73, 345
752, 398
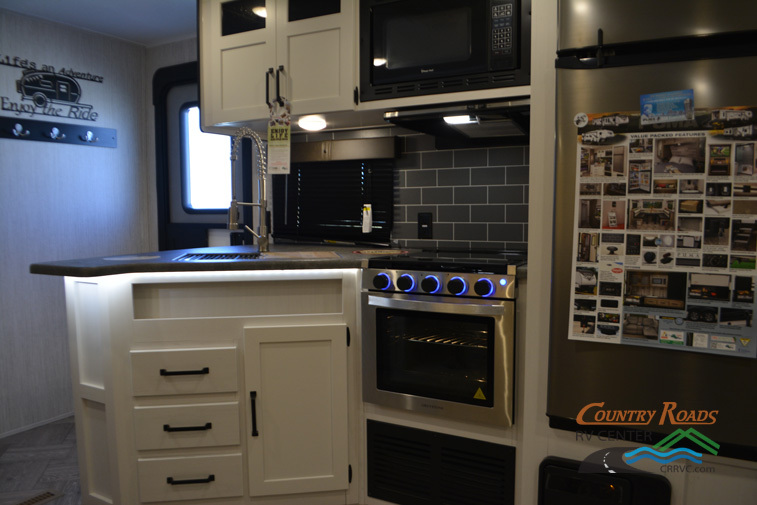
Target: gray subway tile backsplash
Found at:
408, 196
453, 177
488, 176
471, 158
438, 196
454, 214
437, 159
478, 197
508, 155
420, 178
488, 213
516, 175
507, 194
470, 194
471, 231
517, 214
506, 232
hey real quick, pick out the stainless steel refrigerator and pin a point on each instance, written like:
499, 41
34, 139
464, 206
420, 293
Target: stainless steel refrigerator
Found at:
610, 54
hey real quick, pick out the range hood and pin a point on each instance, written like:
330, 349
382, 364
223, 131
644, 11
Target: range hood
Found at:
469, 125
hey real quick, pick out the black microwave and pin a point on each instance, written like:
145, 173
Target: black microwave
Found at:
423, 47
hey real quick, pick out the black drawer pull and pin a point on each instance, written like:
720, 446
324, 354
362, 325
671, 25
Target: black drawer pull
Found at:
166, 373
170, 480
169, 429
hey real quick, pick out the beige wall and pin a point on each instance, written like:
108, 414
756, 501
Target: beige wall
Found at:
62, 201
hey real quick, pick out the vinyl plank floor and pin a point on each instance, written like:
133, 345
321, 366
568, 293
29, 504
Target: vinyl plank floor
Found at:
38, 460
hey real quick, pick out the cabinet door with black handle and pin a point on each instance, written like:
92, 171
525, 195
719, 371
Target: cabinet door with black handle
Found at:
296, 380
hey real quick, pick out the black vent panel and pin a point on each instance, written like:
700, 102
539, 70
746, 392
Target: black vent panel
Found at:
409, 466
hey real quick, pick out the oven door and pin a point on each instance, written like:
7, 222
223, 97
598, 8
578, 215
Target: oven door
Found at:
448, 357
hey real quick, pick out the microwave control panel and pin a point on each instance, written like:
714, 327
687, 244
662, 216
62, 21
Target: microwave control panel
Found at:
504, 34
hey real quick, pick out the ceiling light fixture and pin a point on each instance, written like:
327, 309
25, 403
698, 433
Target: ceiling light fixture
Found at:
312, 123
260, 11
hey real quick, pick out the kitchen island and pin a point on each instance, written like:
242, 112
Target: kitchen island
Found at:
229, 258
209, 381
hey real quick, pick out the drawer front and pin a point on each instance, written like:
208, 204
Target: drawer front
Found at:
180, 426
206, 477
184, 371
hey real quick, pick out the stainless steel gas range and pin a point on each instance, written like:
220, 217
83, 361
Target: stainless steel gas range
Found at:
439, 334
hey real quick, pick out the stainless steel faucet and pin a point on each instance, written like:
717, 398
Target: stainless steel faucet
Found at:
262, 174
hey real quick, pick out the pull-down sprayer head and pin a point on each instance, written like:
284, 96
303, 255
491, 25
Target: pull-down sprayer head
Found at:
262, 174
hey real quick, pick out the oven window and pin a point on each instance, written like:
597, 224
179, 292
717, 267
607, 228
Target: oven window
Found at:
443, 356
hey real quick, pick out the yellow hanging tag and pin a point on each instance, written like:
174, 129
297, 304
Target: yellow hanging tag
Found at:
279, 140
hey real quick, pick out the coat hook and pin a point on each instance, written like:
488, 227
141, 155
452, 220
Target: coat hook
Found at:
19, 131
56, 134
89, 137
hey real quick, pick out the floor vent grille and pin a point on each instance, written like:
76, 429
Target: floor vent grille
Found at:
40, 498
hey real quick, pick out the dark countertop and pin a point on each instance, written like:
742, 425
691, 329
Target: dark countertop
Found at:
280, 257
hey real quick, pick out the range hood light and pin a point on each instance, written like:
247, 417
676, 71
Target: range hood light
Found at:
482, 124
459, 119
312, 123
260, 11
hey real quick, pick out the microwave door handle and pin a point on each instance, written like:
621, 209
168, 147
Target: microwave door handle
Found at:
441, 307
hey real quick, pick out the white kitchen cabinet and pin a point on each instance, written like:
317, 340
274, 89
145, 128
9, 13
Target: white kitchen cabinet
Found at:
189, 425
183, 371
190, 478
314, 58
297, 437
163, 364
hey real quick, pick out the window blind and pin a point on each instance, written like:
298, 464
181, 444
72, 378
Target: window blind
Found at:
324, 200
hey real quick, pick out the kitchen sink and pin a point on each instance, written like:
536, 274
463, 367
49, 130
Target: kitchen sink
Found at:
217, 257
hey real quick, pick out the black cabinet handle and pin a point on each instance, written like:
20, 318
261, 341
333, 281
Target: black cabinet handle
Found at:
166, 373
174, 482
279, 98
253, 396
267, 86
171, 429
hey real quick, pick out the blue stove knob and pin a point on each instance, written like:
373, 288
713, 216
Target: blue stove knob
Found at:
457, 286
484, 287
406, 283
382, 281
431, 284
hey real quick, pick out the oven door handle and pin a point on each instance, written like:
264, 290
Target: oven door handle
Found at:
443, 307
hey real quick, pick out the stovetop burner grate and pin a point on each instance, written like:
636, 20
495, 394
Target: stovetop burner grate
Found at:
452, 260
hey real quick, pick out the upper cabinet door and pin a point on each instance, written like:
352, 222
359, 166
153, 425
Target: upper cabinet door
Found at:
237, 47
316, 44
311, 47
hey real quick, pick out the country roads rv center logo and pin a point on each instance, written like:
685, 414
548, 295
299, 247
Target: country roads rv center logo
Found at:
680, 451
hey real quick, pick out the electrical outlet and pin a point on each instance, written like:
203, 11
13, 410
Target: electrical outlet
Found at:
425, 225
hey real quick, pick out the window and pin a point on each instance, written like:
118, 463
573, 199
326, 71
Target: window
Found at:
205, 165
323, 200
188, 218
